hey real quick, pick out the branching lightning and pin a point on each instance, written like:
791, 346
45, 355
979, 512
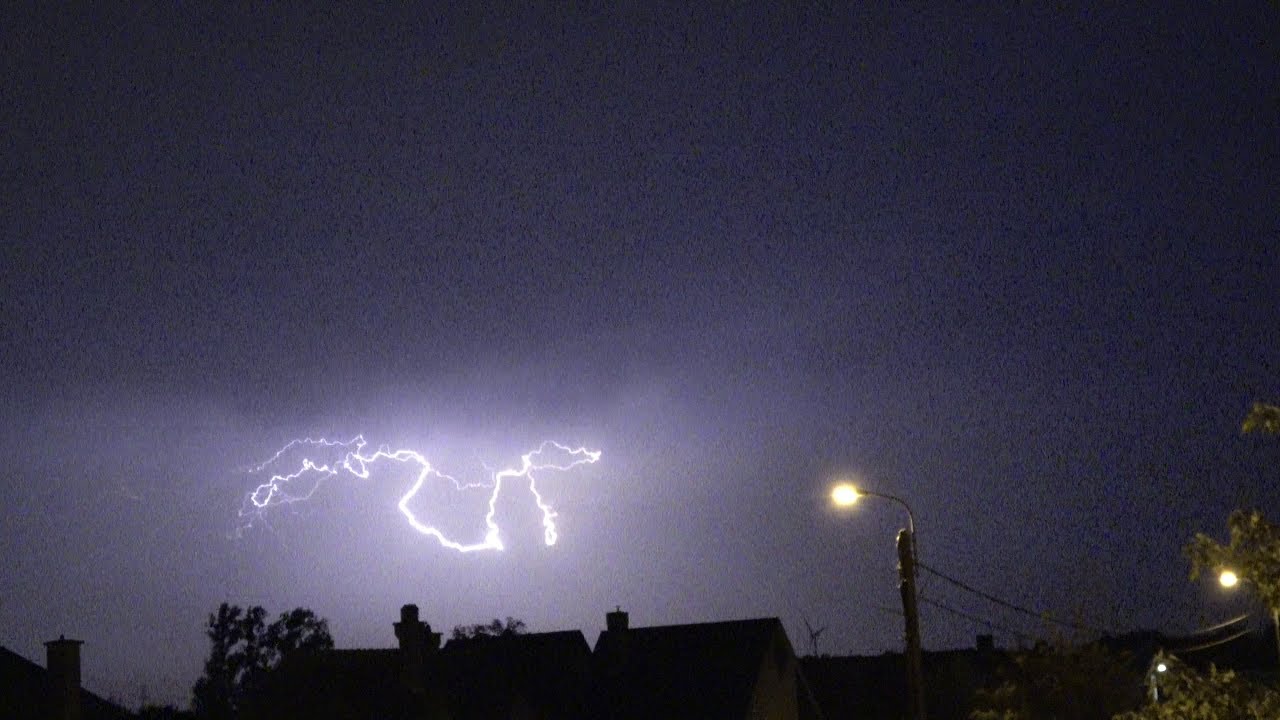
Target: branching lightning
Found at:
283, 488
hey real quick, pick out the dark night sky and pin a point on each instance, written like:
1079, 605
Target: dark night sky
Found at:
1017, 266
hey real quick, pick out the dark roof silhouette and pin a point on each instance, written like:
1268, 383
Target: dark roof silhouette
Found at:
705, 670
735, 669
339, 683
544, 674
874, 686
540, 675
26, 691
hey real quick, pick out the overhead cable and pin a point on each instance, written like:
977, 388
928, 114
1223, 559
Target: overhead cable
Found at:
981, 621
1005, 603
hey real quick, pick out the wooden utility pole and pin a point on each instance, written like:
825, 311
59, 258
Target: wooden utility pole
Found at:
907, 586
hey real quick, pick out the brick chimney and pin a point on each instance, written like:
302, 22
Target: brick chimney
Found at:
986, 644
63, 663
416, 642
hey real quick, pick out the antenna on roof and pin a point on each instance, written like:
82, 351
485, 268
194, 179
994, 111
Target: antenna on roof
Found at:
813, 635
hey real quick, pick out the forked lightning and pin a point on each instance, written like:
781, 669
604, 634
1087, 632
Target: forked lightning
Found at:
549, 456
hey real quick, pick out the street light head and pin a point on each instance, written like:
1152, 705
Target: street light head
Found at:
1162, 667
844, 495
1228, 579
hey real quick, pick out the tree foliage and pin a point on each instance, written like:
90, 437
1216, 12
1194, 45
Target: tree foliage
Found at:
1083, 682
244, 648
492, 629
1253, 553
1219, 695
1262, 418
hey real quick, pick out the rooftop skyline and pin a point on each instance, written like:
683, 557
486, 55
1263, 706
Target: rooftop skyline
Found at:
1016, 266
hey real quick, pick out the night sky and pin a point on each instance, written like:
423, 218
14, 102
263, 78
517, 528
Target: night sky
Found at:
1018, 267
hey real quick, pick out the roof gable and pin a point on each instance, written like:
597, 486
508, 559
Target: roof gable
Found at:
25, 690
545, 673
490, 676
706, 670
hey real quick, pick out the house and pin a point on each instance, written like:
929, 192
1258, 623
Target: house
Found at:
738, 669
537, 675
53, 692
730, 670
875, 686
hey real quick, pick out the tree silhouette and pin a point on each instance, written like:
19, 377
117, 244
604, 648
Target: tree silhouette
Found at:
1253, 553
492, 629
1185, 694
1071, 682
244, 648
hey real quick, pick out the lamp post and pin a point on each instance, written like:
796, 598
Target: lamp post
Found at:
1228, 579
845, 495
1160, 669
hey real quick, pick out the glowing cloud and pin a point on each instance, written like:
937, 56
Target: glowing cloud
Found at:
303, 482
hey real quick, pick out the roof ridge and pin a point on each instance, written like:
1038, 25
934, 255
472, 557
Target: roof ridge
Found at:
743, 621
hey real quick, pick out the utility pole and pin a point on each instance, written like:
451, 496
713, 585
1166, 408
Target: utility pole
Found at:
844, 495
907, 586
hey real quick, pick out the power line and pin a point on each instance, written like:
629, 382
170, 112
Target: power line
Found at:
891, 611
1214, 643
1005, 603
1225, 623
981, 621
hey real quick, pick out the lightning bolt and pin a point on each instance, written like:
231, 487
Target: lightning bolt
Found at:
279, 490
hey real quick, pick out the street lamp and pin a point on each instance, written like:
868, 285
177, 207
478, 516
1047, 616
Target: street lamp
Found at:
846, 495
1229, 579
1161, 668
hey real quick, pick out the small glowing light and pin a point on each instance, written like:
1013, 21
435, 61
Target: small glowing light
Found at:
844, 495
1162, 667
1228, 579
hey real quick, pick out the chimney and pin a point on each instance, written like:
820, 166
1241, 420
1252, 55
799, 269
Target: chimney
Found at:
986, 644
616, 621
615, 654
416, 642
63, 663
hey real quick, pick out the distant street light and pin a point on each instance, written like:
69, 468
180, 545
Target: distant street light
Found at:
1161, 668
1228, 578
845, 495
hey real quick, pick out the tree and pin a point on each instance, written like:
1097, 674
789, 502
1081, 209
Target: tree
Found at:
1253, 554
1081, 682
244, 648
1220, 695
492, 629
1262, 418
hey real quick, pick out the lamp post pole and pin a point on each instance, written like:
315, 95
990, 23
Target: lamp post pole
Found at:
1275, 623
847, 495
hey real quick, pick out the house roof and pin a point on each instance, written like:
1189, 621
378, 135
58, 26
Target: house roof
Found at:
544, 673
339, 683
706, 670
25, 689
